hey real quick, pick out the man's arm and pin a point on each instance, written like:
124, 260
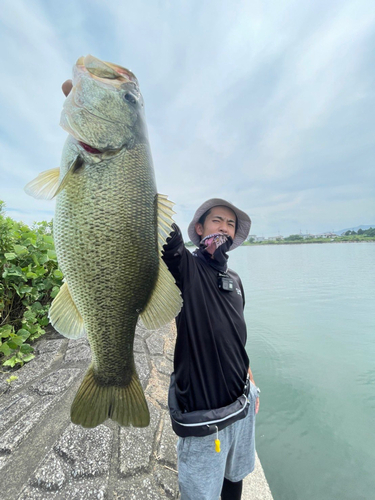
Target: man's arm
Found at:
252, 380
173, 252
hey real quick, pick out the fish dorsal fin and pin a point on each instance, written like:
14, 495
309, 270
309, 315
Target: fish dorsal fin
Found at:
64, 315
165, 301
48, 185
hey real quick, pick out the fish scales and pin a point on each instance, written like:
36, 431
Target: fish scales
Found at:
109, 227
96, 234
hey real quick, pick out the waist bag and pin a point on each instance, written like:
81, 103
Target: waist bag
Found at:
205, 422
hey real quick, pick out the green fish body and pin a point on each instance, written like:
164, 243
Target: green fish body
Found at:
109, 227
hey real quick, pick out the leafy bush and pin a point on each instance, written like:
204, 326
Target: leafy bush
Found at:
30, 279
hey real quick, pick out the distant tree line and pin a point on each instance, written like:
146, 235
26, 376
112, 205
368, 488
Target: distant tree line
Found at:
361, 232
348, 236
294, 237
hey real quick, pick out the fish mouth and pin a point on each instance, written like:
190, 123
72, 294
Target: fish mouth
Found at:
103, 70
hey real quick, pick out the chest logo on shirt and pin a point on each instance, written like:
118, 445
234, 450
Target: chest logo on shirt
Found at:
238, 291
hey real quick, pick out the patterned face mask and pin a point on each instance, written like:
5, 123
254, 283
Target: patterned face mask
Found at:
213, 241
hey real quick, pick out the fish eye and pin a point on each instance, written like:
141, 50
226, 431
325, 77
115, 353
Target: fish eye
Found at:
130, 98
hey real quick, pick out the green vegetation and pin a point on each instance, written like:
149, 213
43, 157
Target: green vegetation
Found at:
294, 237
30, 279
362, 232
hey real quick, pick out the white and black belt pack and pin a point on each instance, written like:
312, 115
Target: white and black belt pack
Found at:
206, 422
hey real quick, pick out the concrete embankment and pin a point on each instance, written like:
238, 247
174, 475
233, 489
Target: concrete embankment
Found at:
43, 455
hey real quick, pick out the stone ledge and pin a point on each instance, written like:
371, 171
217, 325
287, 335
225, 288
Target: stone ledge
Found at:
137, 445
106, 462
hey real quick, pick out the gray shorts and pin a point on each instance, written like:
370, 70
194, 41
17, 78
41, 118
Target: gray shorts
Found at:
201, 470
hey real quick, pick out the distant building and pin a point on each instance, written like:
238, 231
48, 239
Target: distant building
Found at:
254, 237
308, 236
275, 238
326, 235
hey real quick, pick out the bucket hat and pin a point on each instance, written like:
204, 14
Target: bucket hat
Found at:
243, 222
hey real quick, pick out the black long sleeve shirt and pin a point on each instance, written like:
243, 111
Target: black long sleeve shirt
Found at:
210, 361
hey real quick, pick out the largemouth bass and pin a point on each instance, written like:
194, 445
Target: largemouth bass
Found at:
109, 227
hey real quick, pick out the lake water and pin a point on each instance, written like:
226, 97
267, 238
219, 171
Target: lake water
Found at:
310, 311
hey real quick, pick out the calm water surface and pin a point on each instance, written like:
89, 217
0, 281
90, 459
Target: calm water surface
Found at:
310, 311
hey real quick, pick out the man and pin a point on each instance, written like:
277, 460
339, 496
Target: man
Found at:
210, 362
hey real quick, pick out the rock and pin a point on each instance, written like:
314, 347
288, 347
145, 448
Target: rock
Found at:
136, 445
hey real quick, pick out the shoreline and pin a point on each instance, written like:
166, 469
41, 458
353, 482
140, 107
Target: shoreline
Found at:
305, 242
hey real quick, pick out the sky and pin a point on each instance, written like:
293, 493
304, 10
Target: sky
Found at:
269, 105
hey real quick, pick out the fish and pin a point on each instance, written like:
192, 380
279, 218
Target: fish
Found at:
109, 228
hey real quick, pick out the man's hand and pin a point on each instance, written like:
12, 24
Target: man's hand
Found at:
257, 401
67, 87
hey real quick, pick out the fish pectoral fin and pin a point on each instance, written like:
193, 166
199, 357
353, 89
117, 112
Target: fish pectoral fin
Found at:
64, 315
47, 184
43, 187
165, 301
94, 403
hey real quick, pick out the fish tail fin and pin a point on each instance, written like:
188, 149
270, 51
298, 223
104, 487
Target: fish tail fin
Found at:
94, 403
